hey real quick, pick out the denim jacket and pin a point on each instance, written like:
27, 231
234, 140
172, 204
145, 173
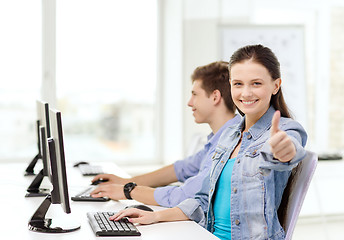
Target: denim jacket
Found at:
258, 180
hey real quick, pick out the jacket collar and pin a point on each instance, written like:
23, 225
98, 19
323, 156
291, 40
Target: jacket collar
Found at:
261, 126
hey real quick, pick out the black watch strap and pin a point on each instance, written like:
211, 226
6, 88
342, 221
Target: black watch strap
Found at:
128, 188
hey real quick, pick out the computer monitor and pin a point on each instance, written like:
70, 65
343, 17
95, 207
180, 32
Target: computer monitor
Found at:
56, 144
59, 193
40, 107
30, 168
43, 127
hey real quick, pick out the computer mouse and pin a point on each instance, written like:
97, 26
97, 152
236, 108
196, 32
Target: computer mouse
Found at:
99, 181
140, 206
79, 163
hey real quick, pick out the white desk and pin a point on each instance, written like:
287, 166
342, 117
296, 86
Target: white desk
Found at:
15, 208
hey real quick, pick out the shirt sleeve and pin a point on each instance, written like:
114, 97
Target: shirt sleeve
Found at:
170, 196
195, 208
190, 166
191, 208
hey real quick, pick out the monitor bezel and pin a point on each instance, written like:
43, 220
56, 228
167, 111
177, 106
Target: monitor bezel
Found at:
56, 144
45, 124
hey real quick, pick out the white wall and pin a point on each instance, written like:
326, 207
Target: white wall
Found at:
200, 45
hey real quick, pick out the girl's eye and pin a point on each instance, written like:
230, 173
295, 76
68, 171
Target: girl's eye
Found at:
257, 83
237, 84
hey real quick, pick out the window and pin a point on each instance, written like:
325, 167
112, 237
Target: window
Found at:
20, 60
106, 78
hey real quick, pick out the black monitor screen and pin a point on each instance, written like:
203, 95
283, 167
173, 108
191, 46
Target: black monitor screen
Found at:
43, 115
43, 111
57, 159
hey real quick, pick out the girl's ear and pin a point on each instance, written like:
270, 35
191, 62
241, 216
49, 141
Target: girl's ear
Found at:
277, 85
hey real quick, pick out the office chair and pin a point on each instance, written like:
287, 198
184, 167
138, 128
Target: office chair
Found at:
298, 187
197, 142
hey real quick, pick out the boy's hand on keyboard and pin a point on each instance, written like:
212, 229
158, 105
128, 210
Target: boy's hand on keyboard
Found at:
111, 179
113, 191
136, 216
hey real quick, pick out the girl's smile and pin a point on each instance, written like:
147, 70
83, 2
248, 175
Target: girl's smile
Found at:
252, 88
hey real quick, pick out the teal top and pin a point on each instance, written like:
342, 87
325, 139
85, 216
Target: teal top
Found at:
222, 208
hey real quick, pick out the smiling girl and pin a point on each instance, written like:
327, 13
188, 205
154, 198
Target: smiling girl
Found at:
252, 162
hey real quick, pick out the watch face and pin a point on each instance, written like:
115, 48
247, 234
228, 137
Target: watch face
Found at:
128, 188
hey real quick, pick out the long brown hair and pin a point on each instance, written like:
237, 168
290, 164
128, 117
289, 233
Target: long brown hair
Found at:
264, 56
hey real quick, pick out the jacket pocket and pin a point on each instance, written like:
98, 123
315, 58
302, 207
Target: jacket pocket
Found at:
254, 151
252, 160
217, 156
219, 151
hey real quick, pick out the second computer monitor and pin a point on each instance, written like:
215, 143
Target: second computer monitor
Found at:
42, 110
43, 133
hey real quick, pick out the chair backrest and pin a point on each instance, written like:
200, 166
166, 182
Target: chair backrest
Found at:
301, 182
196, 144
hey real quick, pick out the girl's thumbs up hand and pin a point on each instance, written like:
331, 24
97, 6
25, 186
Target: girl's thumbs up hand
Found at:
281, 146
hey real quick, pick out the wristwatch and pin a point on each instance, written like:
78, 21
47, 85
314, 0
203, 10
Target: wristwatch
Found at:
128, 188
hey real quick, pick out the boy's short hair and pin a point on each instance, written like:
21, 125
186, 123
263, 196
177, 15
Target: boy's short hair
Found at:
215, 76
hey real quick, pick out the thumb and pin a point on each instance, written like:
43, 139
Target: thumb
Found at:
275, 122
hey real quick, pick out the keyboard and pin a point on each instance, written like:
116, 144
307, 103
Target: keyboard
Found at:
85, 196
102, 226
90, 170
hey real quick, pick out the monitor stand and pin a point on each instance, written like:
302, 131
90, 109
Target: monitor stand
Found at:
29, 170
38, 222
34, 190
